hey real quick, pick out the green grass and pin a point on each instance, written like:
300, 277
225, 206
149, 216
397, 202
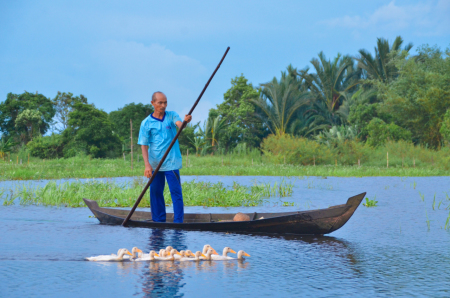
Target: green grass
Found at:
110, 194
233, 165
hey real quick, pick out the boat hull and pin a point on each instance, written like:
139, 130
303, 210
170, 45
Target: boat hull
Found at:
312, 222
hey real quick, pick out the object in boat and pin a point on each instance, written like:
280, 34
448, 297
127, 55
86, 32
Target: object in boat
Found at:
310, 222
224, 255
241, 217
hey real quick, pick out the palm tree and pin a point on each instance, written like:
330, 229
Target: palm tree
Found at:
378, 66
330, 86
213, 127
279, 102
197, 142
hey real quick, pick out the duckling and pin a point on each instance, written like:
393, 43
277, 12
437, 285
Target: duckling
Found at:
196, 257
224, 256
110, 258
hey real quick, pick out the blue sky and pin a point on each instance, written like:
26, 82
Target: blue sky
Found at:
117, 52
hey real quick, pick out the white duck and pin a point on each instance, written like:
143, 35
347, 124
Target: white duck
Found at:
110, 258
207, 247
241, 254
208, 255
224, 255
135, 254
196, 257
147, 257
168, 257
181, 254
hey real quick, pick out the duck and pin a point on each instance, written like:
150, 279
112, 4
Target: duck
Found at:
169, 249
208, 255
196, 257
147, 257
206, 247
241, 254
182, 254
169, 256
135, 254
111, 258
224, 256
189, 253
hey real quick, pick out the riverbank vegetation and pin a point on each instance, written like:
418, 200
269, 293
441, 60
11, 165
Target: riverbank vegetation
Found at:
110, 194
367, 114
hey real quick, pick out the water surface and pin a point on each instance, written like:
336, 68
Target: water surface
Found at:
383, 251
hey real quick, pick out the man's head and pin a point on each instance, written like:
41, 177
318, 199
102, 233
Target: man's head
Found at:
159, 101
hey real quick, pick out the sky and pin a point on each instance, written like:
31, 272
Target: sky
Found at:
119, 52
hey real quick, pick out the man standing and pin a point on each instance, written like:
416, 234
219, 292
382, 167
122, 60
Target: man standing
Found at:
156, 133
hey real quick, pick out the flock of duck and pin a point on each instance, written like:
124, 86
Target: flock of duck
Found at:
169, 254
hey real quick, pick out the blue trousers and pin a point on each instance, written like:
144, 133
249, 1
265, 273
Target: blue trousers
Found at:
157, 205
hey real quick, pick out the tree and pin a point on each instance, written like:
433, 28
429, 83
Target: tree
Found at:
279, 101
239, 115
64, 105
445, 127
378, 67
121, 119
420, 96
29, 118
16, 104
90, 131
329, 87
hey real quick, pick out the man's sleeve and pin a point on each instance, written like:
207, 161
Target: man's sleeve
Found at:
176, 118
144, 134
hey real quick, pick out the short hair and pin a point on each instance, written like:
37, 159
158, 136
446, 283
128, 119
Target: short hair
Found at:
154, 95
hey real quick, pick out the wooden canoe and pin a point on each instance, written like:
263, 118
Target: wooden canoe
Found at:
311, 222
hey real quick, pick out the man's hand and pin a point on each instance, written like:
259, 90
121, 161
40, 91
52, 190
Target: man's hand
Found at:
188, 118
148, 171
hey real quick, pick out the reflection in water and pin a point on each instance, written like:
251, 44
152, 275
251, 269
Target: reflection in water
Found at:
165, 278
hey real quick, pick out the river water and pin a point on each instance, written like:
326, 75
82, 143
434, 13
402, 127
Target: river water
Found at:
400, 247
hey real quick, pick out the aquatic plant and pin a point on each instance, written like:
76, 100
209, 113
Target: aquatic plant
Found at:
370, 203
110, 194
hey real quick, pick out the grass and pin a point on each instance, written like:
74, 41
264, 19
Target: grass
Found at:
233, 165
110, 194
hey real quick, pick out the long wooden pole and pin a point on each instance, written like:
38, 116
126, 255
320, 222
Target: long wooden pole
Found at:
171, 144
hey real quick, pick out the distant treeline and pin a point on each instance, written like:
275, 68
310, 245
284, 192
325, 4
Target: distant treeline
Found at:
368, 99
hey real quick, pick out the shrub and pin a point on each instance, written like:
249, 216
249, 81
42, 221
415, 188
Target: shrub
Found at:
380, 132
46, 147
296, 150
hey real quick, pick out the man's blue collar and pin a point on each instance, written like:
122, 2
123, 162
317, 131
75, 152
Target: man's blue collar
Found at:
160, 120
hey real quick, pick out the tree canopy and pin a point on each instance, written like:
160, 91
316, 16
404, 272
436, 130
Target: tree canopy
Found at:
36, 113
90, 131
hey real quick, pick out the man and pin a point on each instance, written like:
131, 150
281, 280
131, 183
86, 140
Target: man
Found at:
156, 133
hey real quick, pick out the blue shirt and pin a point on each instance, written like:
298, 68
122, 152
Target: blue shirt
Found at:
157, 134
